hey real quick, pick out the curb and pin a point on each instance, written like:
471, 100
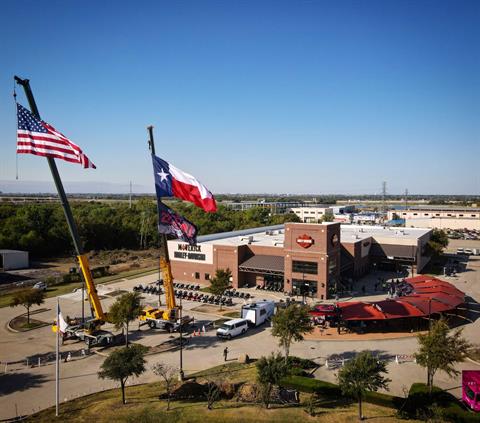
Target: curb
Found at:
473, 361
26, 330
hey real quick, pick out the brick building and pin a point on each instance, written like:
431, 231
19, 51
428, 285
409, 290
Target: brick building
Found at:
298, 257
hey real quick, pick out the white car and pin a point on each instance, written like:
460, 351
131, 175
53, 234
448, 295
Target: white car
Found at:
40, 285
232, 328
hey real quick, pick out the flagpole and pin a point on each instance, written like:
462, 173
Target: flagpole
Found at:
164, 253
57, 362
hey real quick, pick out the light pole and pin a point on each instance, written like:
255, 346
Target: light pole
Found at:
429, 315
181, 374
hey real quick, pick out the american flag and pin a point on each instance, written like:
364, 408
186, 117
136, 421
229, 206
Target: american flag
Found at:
34, 136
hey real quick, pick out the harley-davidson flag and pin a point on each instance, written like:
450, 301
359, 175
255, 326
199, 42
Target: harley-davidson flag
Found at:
173, 182
171, 223
34, 136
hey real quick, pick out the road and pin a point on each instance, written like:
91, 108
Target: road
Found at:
26, 389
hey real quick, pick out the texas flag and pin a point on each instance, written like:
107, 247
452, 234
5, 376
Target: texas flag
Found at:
173, 182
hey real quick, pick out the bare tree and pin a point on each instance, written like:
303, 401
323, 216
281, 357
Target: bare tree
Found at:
212, 390
168, 374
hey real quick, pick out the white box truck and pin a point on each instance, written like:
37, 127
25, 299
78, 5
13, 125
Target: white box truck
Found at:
258, 312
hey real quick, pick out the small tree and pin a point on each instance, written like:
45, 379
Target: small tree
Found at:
328, 217
360, 375
220, 282
269, 372
290, 324
125, 309
439, 351
27, 298
123, 363
437, 243
168, 374
212, 391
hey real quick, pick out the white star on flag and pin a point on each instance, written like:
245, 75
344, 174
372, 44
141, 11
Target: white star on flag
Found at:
163, 175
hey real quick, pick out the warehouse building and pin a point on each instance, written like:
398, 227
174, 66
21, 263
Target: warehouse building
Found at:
13, 259
439, 217
315, 213
300, 258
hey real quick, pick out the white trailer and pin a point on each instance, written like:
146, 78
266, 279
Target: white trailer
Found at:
258, 312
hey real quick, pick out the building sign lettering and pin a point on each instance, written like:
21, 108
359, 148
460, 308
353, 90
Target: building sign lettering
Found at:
181, 251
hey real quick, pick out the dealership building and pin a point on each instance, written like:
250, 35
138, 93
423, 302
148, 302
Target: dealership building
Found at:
299, 257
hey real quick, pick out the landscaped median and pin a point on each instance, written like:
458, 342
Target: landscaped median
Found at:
237, 403
419, 403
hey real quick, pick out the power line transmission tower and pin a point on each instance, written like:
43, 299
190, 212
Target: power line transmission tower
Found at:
130, 197
384, 195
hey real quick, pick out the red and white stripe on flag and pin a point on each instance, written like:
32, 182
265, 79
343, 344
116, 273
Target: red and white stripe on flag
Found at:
41, 139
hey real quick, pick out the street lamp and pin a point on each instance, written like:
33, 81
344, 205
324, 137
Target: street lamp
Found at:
180, 373
429, 315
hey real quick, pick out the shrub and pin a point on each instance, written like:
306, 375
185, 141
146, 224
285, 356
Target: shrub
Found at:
303, 363
306, 384
421, 404
384, 400
320, 387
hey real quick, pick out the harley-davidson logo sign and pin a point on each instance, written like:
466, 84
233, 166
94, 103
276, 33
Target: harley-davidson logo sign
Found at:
305, 241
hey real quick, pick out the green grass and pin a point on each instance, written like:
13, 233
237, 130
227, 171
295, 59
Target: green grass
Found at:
66, 288
143, 406
232, 314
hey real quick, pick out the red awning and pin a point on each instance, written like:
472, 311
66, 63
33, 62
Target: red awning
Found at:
427, 305
396, 309
419, 278
430, 296
323, 310
360, 311
430, 292
451, 300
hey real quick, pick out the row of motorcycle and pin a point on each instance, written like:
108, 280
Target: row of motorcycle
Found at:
190, 292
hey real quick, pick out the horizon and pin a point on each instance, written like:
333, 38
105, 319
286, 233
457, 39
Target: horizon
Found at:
123, 189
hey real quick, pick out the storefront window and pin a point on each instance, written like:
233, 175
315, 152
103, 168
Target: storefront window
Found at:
309, 267
304, 287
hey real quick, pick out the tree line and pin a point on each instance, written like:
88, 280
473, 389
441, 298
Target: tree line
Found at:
42, 228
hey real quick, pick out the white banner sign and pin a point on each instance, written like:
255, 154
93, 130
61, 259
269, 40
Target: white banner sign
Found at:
181, 251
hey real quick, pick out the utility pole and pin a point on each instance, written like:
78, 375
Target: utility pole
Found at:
130, 197
406, 205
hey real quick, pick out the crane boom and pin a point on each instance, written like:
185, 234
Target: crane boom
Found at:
171, 314
95, 304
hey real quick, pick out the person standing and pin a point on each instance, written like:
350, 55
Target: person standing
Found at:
225, 354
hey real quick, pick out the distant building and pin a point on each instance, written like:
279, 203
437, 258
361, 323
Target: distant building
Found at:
429, 212
299, 257
13, 259
314, 213
444, 223
439, 217
275, 207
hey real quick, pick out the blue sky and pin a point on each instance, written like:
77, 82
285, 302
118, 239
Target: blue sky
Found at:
251, 96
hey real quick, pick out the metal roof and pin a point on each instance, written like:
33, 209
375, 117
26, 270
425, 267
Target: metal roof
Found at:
263, 263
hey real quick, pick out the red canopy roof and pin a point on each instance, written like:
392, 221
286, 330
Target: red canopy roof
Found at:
426, 305
396, 309
430, 295
357, 310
